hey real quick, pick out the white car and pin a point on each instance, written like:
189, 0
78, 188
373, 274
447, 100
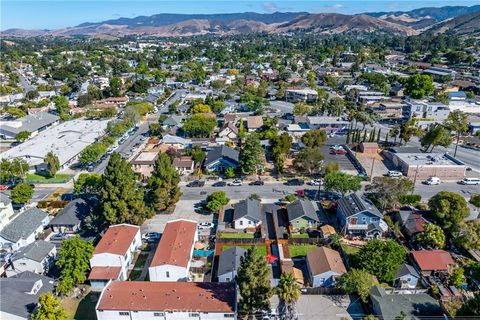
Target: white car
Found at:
151, 236
205, 225
235, 183
394, 173
432, 181
315, 182
336, 147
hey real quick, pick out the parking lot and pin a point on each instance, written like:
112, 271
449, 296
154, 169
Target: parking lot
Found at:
342, 159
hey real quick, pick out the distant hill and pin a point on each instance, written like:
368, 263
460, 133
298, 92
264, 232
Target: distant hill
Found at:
468, 24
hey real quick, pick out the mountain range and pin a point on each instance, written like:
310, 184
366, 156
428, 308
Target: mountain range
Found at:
459, 19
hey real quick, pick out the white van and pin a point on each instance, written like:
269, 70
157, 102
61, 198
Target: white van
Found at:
472, 181
433, 181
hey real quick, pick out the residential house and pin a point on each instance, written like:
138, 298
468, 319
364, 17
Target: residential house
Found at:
184, 164
220, 158
173, 121
228, 263
247, 214
431, 262
357, 215
147, 300
32, 123
111, 102
253, 123
114, 254
416, 306
329, 124
144, 163
23, 230
435, 111
388, 109
69, 219
302, 214
171, 261
229, 130
406, 277
20, 294
456, 96
6, 210
324, 266
412, 223
301, 95
176, 142
37, 257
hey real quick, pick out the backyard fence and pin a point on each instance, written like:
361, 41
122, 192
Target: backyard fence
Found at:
244, 241
320, 291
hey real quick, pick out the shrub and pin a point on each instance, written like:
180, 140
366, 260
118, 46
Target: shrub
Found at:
410, 198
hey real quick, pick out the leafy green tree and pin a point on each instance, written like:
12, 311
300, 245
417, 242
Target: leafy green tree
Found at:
475, 200
121, 199
309, 160
419, 85
53, 163
141, 107
408, 130
381, 258
314, 138
197, 154
457, 276
389, 191
253, 282
471, 307
436, 136
22, 193
22, 136
449, 209
469, 235
288, 291
49, 308
251, 155
281, 145
301, 109
73, 261
433, 236
342, 182
229, 172
199, 126
217, 200
457, 121
163, 190
336, 106
357, 281
92, 153
140, 86
13, 170
332, 167
62, 107
88, 183
200, 108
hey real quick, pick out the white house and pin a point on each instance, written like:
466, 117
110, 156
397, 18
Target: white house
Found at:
37, 257
146, 300
324, 266
23, 230
114, 254
171, 261
6, 210
228, 263
229, 130
247, 214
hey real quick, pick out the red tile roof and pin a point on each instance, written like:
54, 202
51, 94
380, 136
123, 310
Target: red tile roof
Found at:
176, 244
117, 239
163, 296
433, 260
104, 273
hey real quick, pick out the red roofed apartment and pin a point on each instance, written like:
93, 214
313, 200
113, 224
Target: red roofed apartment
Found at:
144, 300
113, 254
171, 261
432, 261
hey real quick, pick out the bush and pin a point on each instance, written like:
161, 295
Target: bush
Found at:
410, 198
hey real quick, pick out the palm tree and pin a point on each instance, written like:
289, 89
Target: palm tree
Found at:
394, 131
288, 291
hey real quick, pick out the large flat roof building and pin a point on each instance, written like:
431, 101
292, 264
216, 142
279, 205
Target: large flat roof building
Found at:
66, 140
32, 123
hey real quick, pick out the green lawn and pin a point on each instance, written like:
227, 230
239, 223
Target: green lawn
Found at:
237, 235
299, 235
59, 178
349, 250
83, 309
261, 249
300, 250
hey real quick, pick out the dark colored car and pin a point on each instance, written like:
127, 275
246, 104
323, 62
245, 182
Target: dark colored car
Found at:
196, 183
295, 182
256, 183
338, 151
219, 184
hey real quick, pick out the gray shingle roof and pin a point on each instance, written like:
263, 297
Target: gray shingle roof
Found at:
229, 260
36, 251
15, 291
302, 208
251, 208
406, 269
222, 151
30, 123
23, 225
73, 214
354, 203
5, 199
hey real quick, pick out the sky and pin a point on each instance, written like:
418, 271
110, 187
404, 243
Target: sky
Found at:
54, 14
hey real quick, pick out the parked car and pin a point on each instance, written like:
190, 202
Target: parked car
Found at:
235, 183
433, 181
315, 182
196, 183
336, 147
256, 183
205, 225
219, 184
3, 187
394, 173
338, 151
470, 181
58, 237
295, 182
151, 236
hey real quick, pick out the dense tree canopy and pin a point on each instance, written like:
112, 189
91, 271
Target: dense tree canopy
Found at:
163, 190
449, 209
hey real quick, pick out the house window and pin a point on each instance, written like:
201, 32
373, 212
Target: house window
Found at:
374, 219
159, 314
249, 221
167, 274
227, 279
353, 220
124, 313
228, 315
194, 315
241, 222
364, 219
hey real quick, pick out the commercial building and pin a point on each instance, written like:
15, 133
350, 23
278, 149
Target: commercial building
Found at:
32, 123
423, 109
65, 140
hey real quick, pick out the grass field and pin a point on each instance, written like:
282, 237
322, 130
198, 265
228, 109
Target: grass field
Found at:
59, 178
261, 249
81, 309
350, 252
299, 235
237, 235
300, 250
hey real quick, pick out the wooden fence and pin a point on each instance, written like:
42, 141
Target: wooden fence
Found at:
325, 291
240, 241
